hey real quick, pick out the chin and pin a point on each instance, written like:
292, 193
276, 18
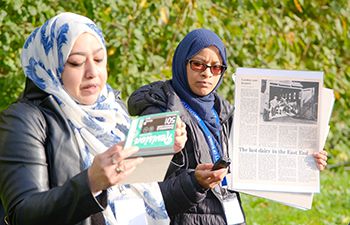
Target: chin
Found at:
89, 101
202, 93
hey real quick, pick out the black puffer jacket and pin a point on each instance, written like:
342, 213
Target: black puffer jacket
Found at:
42, 181
206, 209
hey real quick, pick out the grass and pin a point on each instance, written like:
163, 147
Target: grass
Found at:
330, 206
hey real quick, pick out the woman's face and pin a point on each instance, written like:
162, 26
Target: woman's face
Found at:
85, 71
202, 83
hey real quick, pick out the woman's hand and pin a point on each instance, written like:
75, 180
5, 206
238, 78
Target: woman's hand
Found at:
321, 159
208, 178
180, 135
112, 166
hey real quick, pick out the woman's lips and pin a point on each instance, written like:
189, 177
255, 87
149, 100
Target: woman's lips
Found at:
203, 84
91, 88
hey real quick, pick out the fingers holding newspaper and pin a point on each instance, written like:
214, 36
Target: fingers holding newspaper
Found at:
208, 178
321, 159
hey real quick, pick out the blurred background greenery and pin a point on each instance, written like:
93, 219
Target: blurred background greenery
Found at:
141, 38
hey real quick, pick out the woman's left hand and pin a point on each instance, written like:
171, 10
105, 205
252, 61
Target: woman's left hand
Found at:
321, 159
208, 178
180, 135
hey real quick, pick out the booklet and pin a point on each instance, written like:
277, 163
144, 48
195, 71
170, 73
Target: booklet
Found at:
152, 169
154, 134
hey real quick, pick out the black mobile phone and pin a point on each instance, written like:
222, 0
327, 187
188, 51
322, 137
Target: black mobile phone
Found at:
223, 162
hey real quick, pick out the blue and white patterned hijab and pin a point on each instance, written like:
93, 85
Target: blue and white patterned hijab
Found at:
97, 127
44, 55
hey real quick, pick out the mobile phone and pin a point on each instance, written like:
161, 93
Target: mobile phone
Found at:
223, 162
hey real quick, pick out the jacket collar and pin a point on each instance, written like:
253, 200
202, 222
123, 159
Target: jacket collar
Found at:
33, 92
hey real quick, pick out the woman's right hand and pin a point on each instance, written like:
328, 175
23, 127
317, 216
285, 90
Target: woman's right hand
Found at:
208, 178
112, 166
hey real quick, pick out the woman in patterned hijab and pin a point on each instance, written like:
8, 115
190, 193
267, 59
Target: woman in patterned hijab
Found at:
66, 60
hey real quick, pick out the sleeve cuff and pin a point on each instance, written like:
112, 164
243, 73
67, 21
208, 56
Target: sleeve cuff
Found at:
198, 187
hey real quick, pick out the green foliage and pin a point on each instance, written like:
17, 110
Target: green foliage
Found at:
330, 206
142, 36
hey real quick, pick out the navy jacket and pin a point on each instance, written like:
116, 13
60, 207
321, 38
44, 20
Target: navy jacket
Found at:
207, 207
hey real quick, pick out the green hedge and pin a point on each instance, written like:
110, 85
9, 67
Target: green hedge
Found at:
142, 35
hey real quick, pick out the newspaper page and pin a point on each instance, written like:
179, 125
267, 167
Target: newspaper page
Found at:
301, 200
276, 130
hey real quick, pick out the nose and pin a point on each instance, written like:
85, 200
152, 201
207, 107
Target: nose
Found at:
207, 73
91, 69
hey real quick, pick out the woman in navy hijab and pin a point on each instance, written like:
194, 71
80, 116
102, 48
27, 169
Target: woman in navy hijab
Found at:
195, 193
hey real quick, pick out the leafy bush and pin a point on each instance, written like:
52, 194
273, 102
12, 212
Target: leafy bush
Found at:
142, 35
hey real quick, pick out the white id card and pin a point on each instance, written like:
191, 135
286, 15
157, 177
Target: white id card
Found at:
233, 212
131, 212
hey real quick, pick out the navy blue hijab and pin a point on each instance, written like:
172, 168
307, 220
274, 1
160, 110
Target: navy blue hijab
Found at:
191, 45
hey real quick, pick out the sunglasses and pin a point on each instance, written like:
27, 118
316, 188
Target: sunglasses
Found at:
199, 66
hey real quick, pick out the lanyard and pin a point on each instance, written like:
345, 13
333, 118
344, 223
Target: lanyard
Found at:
215, 154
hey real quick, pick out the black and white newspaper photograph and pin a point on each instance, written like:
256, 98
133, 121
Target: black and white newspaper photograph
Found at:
289, 101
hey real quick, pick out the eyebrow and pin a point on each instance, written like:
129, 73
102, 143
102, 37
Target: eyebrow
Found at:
84, 53
204, 60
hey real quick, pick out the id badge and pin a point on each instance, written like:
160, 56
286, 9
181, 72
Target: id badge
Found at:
233, 211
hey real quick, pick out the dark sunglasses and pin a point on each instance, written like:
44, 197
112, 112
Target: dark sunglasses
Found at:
199, 66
